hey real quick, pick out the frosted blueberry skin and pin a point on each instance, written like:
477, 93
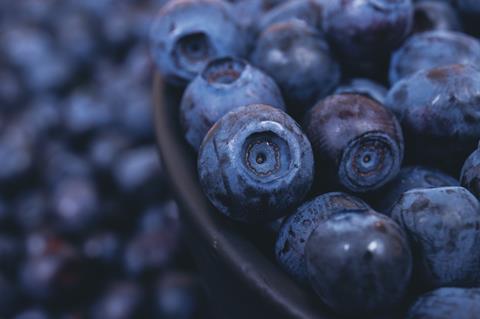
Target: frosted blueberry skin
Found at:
439, 110
186, 34
255, 164
470, 174
308, 11
366, 87
364, 32
435, 15
299, 59
356, 141
359, 263
447, 303
443, 225
224, 84
409, 178
297, 228
433, 49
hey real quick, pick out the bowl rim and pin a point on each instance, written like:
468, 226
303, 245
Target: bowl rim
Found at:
259, 273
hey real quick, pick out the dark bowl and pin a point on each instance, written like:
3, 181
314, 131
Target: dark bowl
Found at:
241, 281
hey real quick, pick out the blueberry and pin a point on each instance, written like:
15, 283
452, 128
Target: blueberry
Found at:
297, 228
188, 33
357, 142
308, 11
299, 59
224, 84
446, 303
364, 32
359, 263
443, 225
106, 147
439, 111
121, 300
249, 12
366, 87
255, 164
435, 15
433, 49
409, 178
470, 175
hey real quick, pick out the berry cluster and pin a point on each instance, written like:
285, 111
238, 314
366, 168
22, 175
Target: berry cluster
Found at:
343, 121
87, 226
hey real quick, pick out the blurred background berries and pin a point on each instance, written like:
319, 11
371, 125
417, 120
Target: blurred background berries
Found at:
88, 226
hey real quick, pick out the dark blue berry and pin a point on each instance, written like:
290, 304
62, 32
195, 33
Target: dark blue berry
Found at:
357, 142
187, 34
443, 225
433, 49
225, 84
297, 228
359, 263
255, 164
308, 11
299, 59
439, 110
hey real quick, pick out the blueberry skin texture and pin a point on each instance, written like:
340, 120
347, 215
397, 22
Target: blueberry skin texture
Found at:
225, 84
433, 49
255, 164
359, 263
435, 15
447, 303
356, 140
299, 59
366, 87
188, 33
439, 110
409, 178
364, 32
470, 174
308, 11
443, 225
297, 228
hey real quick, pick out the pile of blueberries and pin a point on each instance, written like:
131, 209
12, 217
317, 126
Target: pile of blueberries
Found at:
350, 128
88, 228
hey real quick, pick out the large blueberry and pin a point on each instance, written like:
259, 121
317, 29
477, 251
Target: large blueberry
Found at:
355, 140
225, 84
435, 15
470, 175
359, 263
443, 225
295, 230
447, 303
409, 178
365, 87
188, 33
255, 164
365, 31
439, 110
433, 49
299, 60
